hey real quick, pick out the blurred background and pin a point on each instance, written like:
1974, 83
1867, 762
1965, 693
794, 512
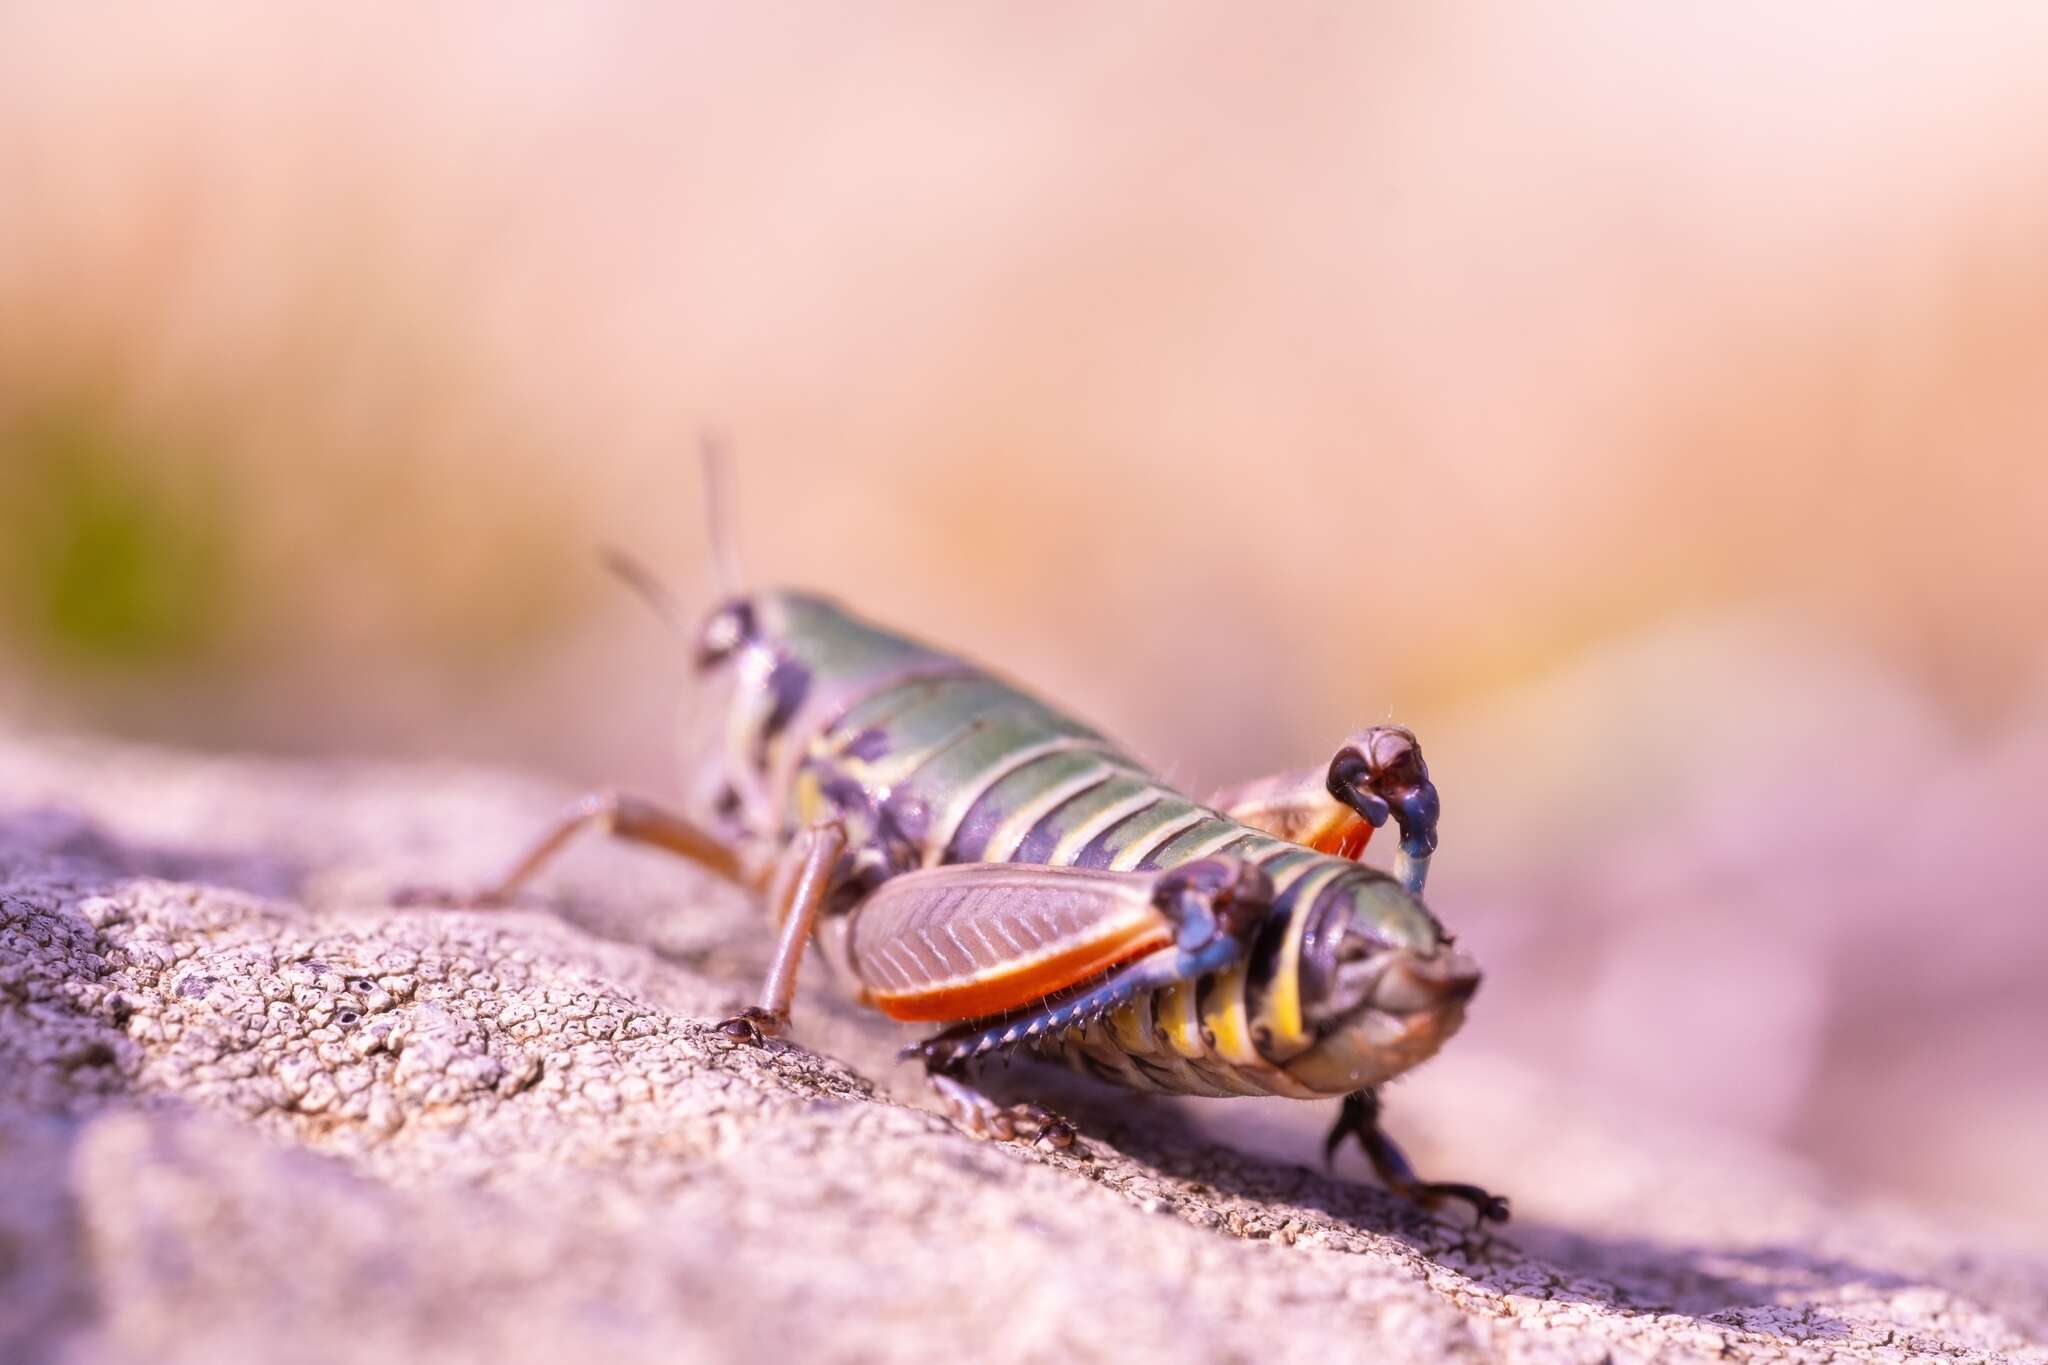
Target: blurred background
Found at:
1646, 405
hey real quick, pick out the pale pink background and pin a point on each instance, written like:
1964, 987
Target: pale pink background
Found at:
1648, 406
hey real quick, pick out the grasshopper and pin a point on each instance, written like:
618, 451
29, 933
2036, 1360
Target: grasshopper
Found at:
966, 855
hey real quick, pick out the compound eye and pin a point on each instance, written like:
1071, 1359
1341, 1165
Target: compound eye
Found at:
728, 628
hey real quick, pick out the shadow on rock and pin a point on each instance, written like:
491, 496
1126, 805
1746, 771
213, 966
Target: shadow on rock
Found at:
57, 834
1774, 1289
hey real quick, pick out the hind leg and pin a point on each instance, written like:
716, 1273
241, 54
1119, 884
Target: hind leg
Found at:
1374, 774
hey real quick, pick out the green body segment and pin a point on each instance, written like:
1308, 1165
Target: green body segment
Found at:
929, 760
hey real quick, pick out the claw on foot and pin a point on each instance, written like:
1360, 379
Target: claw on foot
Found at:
1491, 1208
1487, 1207
983, 1117
1056, 1132
1360, 1119
753, 1025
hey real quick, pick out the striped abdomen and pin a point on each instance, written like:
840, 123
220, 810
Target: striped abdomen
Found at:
965, 768
971, 770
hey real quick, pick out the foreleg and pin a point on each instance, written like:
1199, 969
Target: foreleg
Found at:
630, 818
1360, 1118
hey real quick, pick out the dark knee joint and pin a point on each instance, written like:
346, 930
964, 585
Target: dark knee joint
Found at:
1380, 772
1213, 898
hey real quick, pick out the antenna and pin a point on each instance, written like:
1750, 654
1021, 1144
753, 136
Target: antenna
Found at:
725, 551
644, 584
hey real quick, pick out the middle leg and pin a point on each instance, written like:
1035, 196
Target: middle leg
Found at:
802, 881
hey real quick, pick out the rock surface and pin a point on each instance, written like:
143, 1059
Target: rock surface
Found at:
249, 1109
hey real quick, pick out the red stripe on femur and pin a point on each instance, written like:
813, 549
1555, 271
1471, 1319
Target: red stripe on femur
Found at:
1010, 986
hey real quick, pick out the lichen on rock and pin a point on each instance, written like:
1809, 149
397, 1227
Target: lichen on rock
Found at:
249, 1108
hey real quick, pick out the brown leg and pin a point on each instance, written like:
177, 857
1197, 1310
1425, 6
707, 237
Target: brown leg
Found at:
1375, 773
802, 880
1360, 1118
624, 817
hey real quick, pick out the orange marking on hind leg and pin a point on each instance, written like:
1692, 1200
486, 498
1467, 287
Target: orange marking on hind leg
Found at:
1014, 985
1346, 839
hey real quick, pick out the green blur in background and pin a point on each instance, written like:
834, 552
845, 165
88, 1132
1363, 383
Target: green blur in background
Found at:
113, 559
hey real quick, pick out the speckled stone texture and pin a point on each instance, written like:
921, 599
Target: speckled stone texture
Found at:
250, 1110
